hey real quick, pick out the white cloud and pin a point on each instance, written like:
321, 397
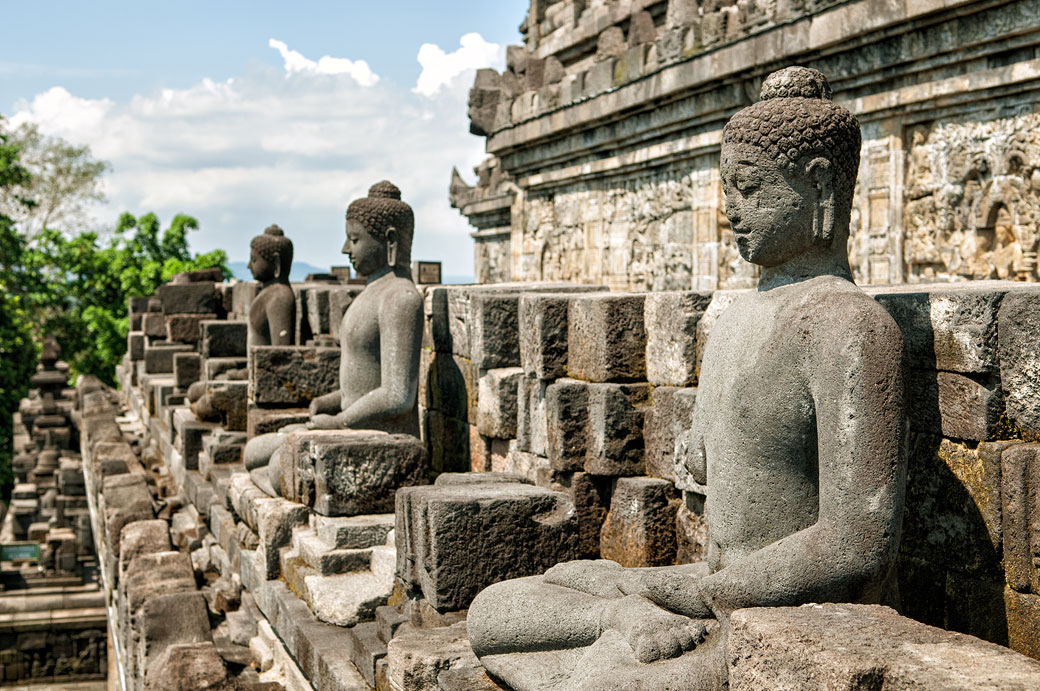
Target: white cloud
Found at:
440, 68
257, 149
296, 62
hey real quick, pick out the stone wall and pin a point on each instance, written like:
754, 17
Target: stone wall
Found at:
604, 131
566, 405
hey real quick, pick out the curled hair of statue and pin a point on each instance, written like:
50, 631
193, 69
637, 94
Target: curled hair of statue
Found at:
272, 245
795, 122
382, 210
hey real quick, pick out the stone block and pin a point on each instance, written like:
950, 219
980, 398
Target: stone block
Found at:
230, 400
353, 532
494, 330
158, 358
185, 328
224, 447
166, 620
142, 537
956, 405
614, 434
691, 530
137, 305
671, 320
519, 530
532, 424
264, 420
125, 499
590, 495
292, 375
599, 78
318, 310
187, 369
496, 402
416, 657
567, 423
188, 298
606, 338
340, 298
543, 334
135, 345
1023, 622
154, 325
448, 320
1018, 334
187, 666
863, 646
224, 339
669, 416
451, 387
639, 529
347, 472
217, 368
1020, 495
951, 329
486, 453
947, 483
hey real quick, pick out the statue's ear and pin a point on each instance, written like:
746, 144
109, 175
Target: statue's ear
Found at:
820, 173
278, 267
391, 247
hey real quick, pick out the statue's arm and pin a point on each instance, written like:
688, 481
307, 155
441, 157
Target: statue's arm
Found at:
328, 404
400, 338
281, 319
858, 388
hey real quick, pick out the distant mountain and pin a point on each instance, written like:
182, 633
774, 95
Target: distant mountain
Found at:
298, 272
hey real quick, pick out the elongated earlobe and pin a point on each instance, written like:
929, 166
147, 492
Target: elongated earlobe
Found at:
820, 171
391, 247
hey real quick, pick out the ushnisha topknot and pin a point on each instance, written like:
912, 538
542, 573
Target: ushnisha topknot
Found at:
381, 210
795, 122
273, 245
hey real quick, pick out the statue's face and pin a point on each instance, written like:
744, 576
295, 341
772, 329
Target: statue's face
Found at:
367, 254
771, 214
262, 269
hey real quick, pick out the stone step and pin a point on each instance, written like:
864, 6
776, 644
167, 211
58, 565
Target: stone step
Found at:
326, 560
353, 532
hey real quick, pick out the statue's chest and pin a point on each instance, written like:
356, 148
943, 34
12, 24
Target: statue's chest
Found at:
360, 328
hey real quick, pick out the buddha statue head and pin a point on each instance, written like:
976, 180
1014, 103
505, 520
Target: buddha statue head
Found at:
379, 230
789, 165
271, 255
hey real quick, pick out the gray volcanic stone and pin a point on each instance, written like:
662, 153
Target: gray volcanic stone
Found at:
1020, 494
292, 375
416, 657
640, 527
567, 424
216, 367
606, 338
671, 336
531, 416
158, 357
864, 646
125, 499
229, 401
543, 334
154, 325
187, 666
166, 620
135, 345
1019, 349
591, 497
494, 330
615, 429
451, 387
496, 402
720, 301
142, 537
350, 472
186, 328
222, 339
188, 298
266, 420
518, 530
187, 369
955, 405
663, 423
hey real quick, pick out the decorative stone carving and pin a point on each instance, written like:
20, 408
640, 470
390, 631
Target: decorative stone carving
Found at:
972, 201
802, 447
380, 337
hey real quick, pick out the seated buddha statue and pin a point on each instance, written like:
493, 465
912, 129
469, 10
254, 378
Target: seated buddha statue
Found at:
272, 313
799, 435
380, 337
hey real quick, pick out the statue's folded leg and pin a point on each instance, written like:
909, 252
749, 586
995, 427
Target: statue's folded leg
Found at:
262, 458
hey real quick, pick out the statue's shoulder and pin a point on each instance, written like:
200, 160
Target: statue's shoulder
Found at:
401, 295
845, 314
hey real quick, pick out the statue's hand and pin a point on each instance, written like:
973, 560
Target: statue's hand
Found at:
323, 422
595, 577
675, 591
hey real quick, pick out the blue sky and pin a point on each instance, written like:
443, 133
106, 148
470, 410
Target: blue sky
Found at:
228, 111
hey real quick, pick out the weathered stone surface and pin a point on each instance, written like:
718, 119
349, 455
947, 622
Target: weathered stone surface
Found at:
229, 401
591, 497
606, 338
224, 339
158, 358
185, 328
953, 329
125, 499
218, 367
142, 537
187, 666
188, 298
187, 369
956, 405
416, 657
292, 376
1020, 494
154, 325
567, 423
1018, 335
266, 420
135, 345
671, 336
519, 530
451, 386
496, 402
166, 620
640, 527
691, 530
350, 472
532, 425
670, 414
543, 334
1023, 622
615, 429
449, 442
720, 300
494, 330
856, 646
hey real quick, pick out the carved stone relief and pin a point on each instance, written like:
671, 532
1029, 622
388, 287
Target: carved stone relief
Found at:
972, 199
